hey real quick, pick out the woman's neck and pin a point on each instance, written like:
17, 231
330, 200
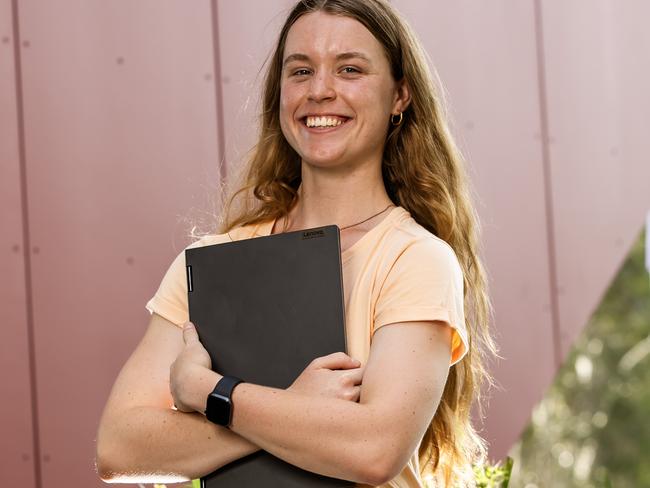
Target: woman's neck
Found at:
326, 197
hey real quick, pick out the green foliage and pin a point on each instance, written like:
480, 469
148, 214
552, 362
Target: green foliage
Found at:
591, 429
496, 476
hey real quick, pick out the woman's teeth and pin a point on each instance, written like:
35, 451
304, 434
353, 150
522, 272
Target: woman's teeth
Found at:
323, 121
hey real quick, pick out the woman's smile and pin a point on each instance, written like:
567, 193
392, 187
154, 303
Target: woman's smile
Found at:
320, 124
324, 120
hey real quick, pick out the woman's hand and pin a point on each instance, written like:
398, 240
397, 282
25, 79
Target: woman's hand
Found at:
336, 375
191, 366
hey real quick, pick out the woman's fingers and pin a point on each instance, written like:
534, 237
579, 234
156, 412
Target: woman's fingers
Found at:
336, 360
356, 375
336, 375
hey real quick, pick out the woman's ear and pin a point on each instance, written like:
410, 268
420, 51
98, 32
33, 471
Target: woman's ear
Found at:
402, 96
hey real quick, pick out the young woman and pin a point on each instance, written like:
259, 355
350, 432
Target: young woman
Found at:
353, 134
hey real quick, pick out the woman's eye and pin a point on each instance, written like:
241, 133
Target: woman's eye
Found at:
301, 72
350, 69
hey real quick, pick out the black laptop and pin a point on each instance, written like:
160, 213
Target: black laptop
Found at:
264, 308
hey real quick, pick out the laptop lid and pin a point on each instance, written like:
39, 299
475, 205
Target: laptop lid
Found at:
264, 308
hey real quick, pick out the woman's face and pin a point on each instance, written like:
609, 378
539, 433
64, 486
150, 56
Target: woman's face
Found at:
337, 92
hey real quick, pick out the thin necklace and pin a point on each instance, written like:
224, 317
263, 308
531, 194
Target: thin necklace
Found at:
366, 220
347, 226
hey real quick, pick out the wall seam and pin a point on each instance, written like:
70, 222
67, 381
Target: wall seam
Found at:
26, 244
216, 47
548, 183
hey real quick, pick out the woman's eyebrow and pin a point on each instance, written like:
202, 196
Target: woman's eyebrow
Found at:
351, 55
339, 57
295, 57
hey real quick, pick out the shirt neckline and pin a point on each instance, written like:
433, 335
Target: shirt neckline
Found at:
264, 229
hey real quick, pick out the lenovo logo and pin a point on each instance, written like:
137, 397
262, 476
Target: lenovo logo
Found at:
310, 234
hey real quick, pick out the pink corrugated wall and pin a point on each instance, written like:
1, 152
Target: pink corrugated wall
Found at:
112, 128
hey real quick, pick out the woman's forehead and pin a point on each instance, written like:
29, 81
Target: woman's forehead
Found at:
319, 34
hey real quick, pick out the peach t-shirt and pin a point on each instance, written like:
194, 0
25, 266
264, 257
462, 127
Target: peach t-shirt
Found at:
397, 272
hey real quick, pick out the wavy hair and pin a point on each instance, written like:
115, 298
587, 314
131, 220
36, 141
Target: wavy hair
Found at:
423, 171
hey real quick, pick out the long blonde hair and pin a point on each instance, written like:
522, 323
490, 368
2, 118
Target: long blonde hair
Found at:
423, 172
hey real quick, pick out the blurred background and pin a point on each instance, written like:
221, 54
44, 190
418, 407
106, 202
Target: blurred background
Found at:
119, 120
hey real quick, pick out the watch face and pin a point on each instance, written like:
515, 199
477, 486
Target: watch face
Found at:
218, 409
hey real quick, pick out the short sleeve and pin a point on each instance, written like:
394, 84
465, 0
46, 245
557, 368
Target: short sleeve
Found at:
170, 301
425, 283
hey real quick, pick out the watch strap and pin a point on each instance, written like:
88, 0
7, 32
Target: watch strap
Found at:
226, 385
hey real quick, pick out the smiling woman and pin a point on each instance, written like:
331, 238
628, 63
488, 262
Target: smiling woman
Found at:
337, 93
352, 134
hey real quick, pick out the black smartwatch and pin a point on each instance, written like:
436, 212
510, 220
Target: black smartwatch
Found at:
219, 405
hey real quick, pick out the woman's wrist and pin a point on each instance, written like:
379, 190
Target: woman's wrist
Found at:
201, 384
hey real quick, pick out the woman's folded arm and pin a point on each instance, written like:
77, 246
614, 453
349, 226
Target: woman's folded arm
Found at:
141, 438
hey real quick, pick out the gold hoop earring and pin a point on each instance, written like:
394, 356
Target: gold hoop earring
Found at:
394, 121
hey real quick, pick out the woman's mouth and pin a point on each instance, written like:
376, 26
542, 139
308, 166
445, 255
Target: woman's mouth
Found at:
324, 122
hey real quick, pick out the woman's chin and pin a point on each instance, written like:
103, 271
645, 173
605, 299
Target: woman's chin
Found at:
324, 160
325, 164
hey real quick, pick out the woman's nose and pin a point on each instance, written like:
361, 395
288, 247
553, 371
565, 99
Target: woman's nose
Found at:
321, 87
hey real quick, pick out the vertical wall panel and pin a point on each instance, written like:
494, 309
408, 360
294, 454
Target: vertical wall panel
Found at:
485, 55
597, 73
16, 441
120, 122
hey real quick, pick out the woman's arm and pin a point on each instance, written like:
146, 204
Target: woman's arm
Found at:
141, 438
368, 442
